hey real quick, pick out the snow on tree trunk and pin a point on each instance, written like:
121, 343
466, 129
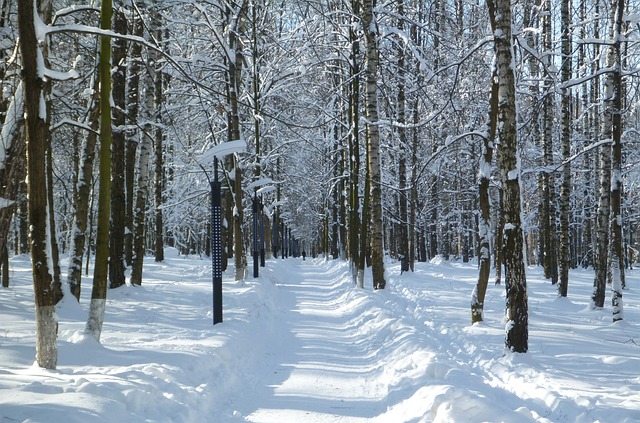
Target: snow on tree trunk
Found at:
615, 79
484, 218
371, 92
565, 190
517, 331
142, 191
83, 193
12, 162
37, 134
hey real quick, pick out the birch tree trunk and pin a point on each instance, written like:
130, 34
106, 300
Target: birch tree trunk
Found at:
565, 190
548, 225
37, 135
83, 194
603, 223
517, 331
373, 134
484, 218
142, 191
614, 79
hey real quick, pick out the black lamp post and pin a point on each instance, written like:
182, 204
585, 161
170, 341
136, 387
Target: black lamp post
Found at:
216, 244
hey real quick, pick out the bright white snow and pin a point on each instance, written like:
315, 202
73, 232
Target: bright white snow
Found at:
302, 344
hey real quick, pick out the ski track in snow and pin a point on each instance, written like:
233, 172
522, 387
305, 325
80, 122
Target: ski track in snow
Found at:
302, 344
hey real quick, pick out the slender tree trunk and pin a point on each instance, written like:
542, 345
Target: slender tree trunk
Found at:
365, 221
614, 61
118, 201
484, 218
403, 236
235, 77
515, 277
373, 134
4, 263
37, 135
565, 190
12, 170
142, 191
159, 165
101, 268
548, 226
603, 222
83, 194
133, 107
354, 141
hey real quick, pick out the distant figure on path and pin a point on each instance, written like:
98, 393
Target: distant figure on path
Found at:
304, 255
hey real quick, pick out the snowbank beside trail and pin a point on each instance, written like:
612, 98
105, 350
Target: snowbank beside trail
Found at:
302, 343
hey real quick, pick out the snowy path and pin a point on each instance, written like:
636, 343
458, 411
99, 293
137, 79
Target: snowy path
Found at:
325, 371
347, 355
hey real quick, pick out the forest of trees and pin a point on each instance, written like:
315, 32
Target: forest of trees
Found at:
497, 132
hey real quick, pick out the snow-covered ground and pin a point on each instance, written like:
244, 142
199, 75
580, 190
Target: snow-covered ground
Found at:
302, 344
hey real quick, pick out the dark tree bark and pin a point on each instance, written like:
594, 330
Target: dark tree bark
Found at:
133, 107
37, 135
118, 202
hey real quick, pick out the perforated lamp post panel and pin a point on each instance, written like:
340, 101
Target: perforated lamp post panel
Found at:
216, 245
255, 236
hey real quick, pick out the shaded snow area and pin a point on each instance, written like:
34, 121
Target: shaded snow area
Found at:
302, 344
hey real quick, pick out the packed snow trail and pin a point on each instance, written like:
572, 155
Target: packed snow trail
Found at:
406, 354
326, 371
345, 355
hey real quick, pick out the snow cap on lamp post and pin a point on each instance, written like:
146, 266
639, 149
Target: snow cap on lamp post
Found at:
215, 153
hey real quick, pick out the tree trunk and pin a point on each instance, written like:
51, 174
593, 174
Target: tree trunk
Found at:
517, 332
142, 191
133, 107
373, 134
159, 164
236, 30
4, 263
548, 225
12, 170
118, 201
484, 218
37, 135
565, 190
615, 80
101, 268
403, 236
83, 194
